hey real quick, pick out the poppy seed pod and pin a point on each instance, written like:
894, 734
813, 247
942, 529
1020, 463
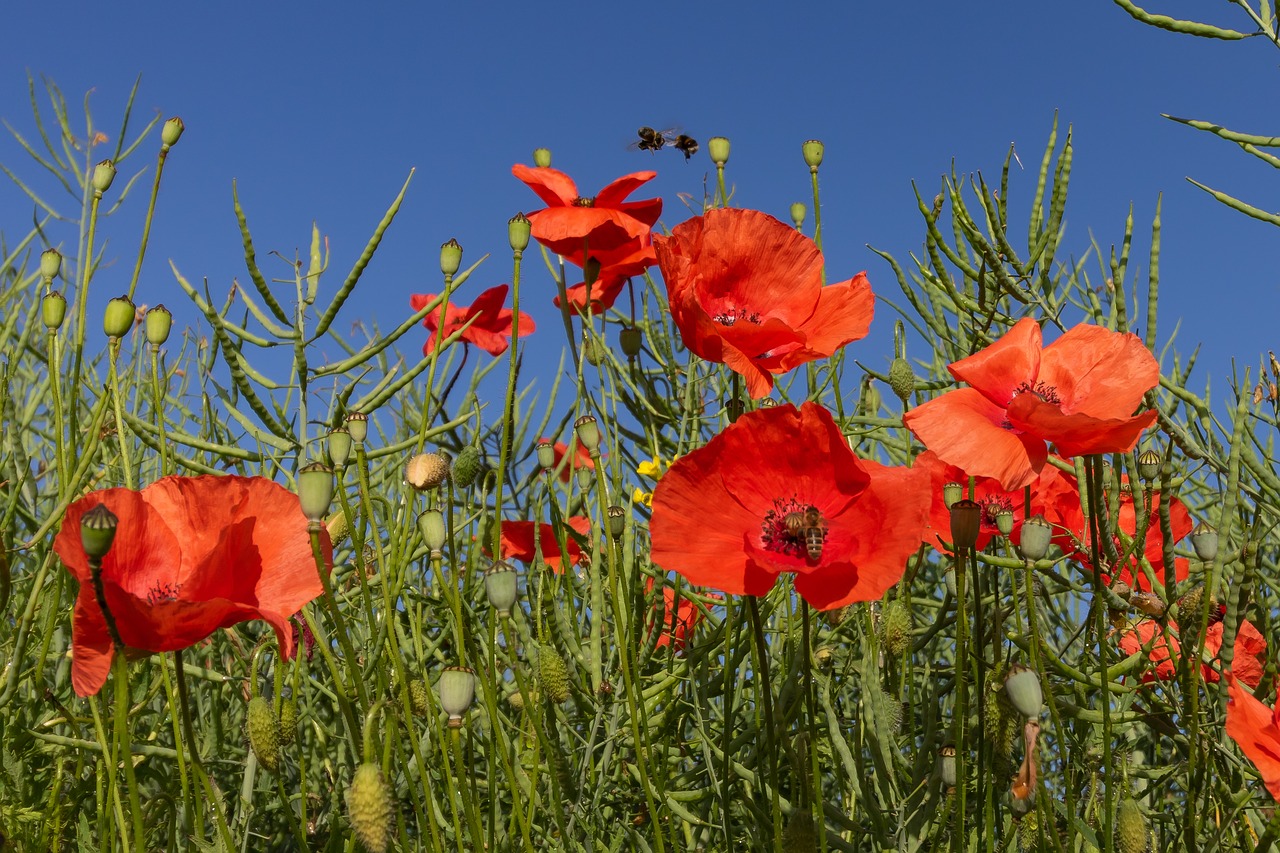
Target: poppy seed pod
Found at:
542, 157
53, 310
50, 264
1148, 465
588, 432
718, 148
103, 175
798, 213
1022, 686
591, 271
966, 523
546, 454
338, 443
617, 521
159, 322
431, 526
426, 471
457, 689
951, 493
500, 586
947, 765
358, 426
118, 319
1004, 522
1037, 533
450, 256
630, 340
1204, 538
315, 491
813, 150
518, 231
171, 132
98, 531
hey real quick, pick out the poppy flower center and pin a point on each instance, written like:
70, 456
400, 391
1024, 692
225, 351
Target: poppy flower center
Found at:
794, 528
1048, 393
163, 592
584, 202
992, 506
732, 315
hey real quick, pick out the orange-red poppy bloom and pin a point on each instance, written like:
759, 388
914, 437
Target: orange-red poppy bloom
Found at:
1256, 729
989, 494
491, 330
580, 227
615, 268
780, 492
1058, 499
191, 555
746, 291
1163, 649
1079, 392
517, 541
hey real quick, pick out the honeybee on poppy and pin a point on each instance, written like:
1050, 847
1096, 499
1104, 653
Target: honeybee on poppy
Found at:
809, 528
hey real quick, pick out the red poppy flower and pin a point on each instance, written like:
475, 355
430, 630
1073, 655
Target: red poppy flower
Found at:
1256, 729
191, 555
491, 330
680, 615
746, 291
615, 268
779, 491
1079, 393
578, 227
1058, 499
990, 495
1163, 648
517, 541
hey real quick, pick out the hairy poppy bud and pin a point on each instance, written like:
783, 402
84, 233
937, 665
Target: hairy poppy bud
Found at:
1131, 827
426, 471
159, 321
288, 723
718, 148
896, 625
902, 379
369, 808
467, 466
542, 157
450, 257
171, 132
553, 673
798, 213
118, 319
264, 733
419, 698
813, 150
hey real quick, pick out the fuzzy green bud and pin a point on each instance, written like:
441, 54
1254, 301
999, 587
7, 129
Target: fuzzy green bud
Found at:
798, 213
50, 264
103, 175
450, 257
896, 627
542, 157
801, 834
369, 808
593, 348
288, 723
315, 491
467, 466
813, 150
1131, 827
171, 132
53, 310
264, 733
518, 230
118, 319
419, 698
718, 148
553, 674
159, 321
98, 531
902, 379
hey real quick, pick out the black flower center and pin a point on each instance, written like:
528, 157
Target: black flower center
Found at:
732, 315
584, 202
1048, 393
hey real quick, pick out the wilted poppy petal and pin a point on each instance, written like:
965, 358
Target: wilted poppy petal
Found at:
964, 428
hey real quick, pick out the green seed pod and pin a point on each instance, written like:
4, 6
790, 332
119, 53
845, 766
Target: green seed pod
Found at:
546, 454
98, 531
1004, 522
588, 432
457, 690
467, 466
264, 733
542, 157
118, 319
718, 148
50, 264
553, 674
813, 150
1204, 539
450, 257
896, 627
1131, 827
431, 526
1022, 685
952, 492
338, 443
966, 523
1037, 534
630, 340
1148, 465
103, 174
53, 310
315, 491
501, 587
159, 321
518, 231
801, 834
593, 349
369, 808
171, 132
288, 723
418, 699
798, 213
902, 379
357, 424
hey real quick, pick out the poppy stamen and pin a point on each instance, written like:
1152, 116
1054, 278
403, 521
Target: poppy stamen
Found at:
795, 529
161, 593
733, 315
1047, 393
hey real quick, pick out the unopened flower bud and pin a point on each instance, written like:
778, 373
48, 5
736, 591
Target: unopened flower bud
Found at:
500, 585
450, 257
264, 733
358, 426
315, 491
813, 150
966, 523
1204, 538
338, 443
591, 271
53, 310
457, 689
518, 231
902, 379
103, 174
1022, 686
542, 157
50, 264
98, 531
370, 809
171, 132
159, 322
118, 319
1037, 533
798, 213
1148, 465
467, 466
588, 433
718, 148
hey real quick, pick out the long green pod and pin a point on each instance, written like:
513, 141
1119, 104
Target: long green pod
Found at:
1153, 277
1229, 135
354, 276
1238, 205
1177, 25
251, 260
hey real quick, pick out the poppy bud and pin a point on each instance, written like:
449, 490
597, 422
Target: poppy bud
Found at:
315, 491
801, 832
53, 310
467, 466
288, 723
450, 257
171, 132
118, 319
630, 340
966, 523
500, 586
369, 808
588, 433
546, 454
97, 531
813, 150
426, 471
617, 521
824, 656
358, 426
896, 625
591, 271
1148, 465
718, 148
419, 698
103, 174
338, 443
518, 230
1131, 827
457, 689
264, 733
1022, 686
1037, 533
798, 213
1004, 522
159, 322
1204, 538
553, 674
593, 348
947, 766
542, 157
50, 264
951, 493
902, 379
431, 526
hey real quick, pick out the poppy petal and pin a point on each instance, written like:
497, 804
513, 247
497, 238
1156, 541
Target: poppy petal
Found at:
965, 429
1077, 434
1099, 372
999, 369
551, 185
616, 192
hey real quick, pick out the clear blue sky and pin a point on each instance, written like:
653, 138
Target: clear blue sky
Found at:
320, 109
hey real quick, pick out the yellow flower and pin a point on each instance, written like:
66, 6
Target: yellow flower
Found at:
650, 470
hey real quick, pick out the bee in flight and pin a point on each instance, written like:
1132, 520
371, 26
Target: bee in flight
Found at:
655, 140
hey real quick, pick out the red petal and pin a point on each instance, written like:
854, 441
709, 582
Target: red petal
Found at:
1251, 724
552, 186
843, 315
1000, 368
617, 191
1099, 372
91, 649
964, 428
1078, 434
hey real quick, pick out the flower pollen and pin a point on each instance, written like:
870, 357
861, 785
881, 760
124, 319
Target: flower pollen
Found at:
587, 201
733, 315
785, 528
163, 592
1047, 393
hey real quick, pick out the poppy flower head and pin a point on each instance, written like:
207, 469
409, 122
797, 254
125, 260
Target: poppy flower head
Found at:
578, 227
1079, 392
1163, 649
517, 541
484, 322
1256, 729
780, 492
191, 555
680, 616
746, 291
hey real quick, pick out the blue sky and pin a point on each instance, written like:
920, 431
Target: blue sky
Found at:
319, 110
